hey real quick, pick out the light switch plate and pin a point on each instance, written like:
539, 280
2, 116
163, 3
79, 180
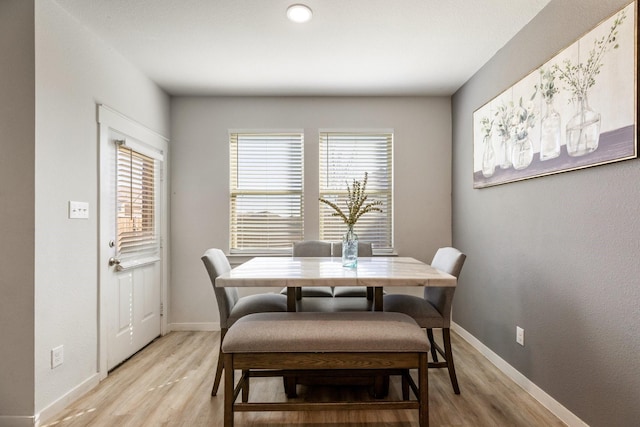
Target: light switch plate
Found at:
78, 210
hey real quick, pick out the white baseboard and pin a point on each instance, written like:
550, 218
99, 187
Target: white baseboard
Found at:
201, 327
64, 401
536, 392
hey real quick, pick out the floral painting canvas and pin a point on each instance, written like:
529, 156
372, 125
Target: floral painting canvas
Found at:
577, 110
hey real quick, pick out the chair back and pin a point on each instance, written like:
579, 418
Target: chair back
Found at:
312, 248
364, 249
216, 264
448, 260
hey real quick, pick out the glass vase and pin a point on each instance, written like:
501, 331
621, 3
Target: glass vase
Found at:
488, 157
550, 133
583, 130
522, 153
350, 248
504, 152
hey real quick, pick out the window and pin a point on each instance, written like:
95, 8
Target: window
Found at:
266, 191
137, 231
345, 156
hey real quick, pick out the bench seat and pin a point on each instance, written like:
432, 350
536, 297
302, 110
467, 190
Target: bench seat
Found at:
299, 342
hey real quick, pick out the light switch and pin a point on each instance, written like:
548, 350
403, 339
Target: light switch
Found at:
78, 210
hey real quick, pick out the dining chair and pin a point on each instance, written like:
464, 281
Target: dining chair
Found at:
231, 306
312, 248
434, 310
364, 250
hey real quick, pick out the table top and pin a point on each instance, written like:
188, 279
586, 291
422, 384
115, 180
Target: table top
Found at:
320, 271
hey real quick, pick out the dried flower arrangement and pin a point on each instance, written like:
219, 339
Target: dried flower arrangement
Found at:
356, 199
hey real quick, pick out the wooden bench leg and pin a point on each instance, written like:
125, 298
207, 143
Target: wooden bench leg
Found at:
228, 390
423, 387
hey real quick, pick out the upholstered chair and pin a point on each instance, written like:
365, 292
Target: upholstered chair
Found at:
364, 250
231, 306
434, 310
312, 248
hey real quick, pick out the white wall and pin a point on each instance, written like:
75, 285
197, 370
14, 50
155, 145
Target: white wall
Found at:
74, 71
17, 145
200, 176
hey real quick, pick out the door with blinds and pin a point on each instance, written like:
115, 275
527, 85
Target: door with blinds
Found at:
133, 221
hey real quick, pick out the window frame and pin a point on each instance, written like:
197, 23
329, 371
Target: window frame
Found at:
138, 239
234, 137
386, 194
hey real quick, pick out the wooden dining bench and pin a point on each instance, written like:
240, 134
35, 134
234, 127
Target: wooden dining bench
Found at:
296, 343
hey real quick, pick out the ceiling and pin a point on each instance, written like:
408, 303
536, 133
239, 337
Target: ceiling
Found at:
350, 47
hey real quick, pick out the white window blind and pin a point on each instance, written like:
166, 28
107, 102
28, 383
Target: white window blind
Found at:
345, 156
266, 191
137, 231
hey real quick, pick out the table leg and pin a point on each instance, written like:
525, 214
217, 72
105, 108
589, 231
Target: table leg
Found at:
380, 386
377, 298
291, 298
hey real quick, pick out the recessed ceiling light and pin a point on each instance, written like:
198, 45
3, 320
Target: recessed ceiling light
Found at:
299, 13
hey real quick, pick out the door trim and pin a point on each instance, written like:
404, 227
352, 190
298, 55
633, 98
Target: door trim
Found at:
111, 119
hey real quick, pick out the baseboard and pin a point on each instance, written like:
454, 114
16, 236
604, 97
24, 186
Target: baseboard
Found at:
17, 421
536, 392
202, 327
74, 394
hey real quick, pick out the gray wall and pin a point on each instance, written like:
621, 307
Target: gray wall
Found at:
53, 72
17, 188
556, 255
200, 176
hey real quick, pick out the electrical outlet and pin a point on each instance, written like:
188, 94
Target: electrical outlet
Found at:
520, 335
57, 356
78, 210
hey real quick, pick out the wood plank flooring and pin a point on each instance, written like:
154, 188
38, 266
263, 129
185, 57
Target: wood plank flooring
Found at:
169, 384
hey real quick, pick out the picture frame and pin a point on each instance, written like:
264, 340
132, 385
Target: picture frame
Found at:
579, 109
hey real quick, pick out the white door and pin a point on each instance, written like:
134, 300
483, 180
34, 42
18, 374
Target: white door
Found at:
131, 223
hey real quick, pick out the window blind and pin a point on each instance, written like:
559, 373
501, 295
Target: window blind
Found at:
137, 233
345, 156
266, 177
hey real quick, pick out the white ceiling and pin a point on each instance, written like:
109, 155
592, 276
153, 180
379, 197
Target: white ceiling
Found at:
350, 47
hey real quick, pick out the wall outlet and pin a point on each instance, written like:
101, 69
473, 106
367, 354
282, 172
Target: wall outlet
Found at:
78, 210
57, 356
520, 335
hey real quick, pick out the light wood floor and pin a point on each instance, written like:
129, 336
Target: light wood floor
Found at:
169, 384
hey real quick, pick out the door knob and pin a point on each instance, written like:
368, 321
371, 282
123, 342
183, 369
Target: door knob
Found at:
113, 261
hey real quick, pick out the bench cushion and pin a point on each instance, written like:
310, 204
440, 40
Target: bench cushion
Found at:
325, 333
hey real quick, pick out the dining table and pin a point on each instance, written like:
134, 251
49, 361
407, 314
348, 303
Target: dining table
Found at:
375, 272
